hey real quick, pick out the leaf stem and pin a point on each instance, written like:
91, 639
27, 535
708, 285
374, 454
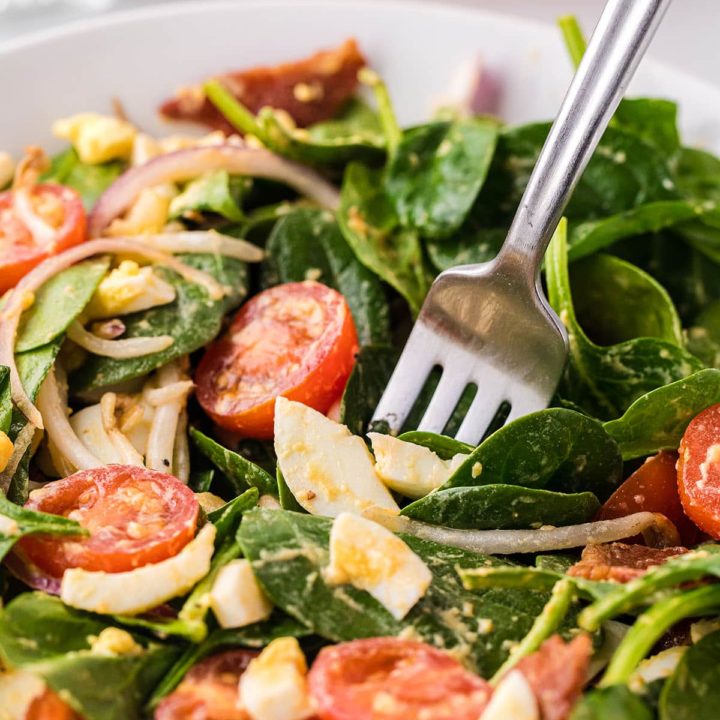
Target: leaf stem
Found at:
388, 120
574, 39
232, 109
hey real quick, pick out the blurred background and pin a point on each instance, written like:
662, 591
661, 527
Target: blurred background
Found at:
686, 39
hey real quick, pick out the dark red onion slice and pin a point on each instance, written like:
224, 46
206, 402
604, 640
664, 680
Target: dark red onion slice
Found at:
27, 572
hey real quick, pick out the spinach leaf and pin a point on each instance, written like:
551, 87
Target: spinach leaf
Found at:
443, 446
692, 692
558, 449
697, 174
242, 473
290, 550
90, 181
365, 386
657, 420
309, 241
30, 522
617, 702
192, 319
6, 406
215, 192
437, 171
653, 119
371, 227
41, 635
605, 381
58, 302
502, 507
285, 497
616, 301
354, 135
703, 337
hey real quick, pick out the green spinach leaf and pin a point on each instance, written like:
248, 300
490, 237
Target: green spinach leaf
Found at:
192, 319
58, 302
703, 337
557, 449
657, 420
617, 702
697, 174
242, 473
437, 171
605, 381
6, 406
502, 507
442, 445
371, 227
289, 552
652, 119
308, 241
215, 192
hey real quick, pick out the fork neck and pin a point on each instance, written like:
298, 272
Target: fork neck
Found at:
620, 39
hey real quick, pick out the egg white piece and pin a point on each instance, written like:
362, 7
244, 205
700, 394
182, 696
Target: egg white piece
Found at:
371, 558
135, 591
512, 700
236, 598
18, 689
327, 468
410, 469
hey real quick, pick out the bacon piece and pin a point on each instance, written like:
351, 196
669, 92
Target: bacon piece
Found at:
620, 562
309, 90
209, 691
557, 672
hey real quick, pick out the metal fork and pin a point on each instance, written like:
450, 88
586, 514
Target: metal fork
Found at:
490, 325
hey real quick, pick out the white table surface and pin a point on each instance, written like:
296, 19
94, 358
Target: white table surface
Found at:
687, 39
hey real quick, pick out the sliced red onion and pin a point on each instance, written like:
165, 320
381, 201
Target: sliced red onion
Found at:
43, 234
27, 572
210, 242
485, 93
181, 451
509, 542
161, 440
16, 300
118, 349
188, 164
168, 393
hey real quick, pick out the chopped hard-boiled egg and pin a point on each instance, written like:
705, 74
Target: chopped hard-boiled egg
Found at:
274, 686
7, 169
97, 138
129, 288
148, 214
18, 689
371, 558
8, 526
139, 590
657, 667
327, 468
410, 469
512, 700
113, 642
236, 598
6, 450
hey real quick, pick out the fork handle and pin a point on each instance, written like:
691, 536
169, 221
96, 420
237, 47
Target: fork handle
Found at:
619, 41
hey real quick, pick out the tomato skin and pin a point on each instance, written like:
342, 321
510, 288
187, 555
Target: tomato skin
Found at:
388, 679
209, 691
699, 471
135, 516
297, 340
653, 487
49, 706
19, 253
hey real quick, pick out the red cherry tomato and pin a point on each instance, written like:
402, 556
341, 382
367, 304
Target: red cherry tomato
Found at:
698, 471
49, 706
389, 678
297, 340
58, 207
209, 691
653, 487
135, 516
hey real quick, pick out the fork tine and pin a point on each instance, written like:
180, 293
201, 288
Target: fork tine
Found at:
481, 413
443, 401
523, 402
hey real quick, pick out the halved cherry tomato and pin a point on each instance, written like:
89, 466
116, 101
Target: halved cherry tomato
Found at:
135, 516
59, 208
297, 340
653, 487
50, 706
209, 691
389, 678
698, 471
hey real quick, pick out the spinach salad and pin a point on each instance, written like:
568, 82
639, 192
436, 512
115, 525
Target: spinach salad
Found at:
197, 519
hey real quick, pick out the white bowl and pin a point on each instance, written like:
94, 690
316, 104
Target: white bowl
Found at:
141, 56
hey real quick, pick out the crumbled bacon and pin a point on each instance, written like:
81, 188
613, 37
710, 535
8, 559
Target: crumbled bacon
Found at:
309, 90
620, 562
557, 673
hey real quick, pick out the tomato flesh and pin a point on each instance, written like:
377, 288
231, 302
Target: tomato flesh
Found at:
135, 516
389, 678
209, 690
297, 340
699, 471
653, 487
60, 207
50, 706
